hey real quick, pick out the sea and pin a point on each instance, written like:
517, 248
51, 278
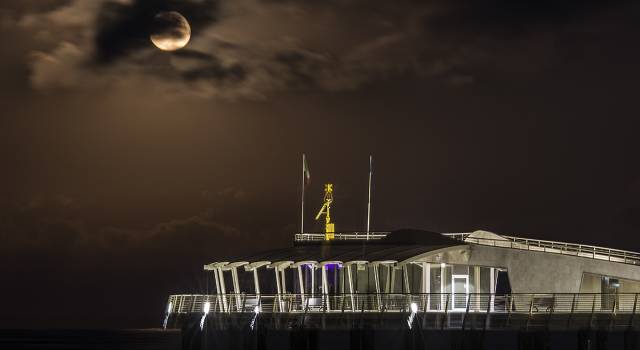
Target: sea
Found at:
134, 339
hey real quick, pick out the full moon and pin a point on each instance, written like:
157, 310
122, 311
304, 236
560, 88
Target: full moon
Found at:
171, 31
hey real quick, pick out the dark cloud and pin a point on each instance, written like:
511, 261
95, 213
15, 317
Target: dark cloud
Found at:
124, 27
254, 48
19, 8
216, 72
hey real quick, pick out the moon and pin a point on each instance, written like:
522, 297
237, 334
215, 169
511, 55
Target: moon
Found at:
171, 31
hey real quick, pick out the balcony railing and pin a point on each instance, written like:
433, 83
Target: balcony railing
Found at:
340, 236
539, 245
525, 304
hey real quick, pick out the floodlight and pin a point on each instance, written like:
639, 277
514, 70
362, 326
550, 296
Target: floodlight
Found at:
414, 307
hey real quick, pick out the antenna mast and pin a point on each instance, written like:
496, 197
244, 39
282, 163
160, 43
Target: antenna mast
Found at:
369, 201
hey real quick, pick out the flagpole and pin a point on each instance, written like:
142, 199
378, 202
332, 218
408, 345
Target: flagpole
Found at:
302, 199
369, 201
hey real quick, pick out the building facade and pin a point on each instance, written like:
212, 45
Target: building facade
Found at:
437, 276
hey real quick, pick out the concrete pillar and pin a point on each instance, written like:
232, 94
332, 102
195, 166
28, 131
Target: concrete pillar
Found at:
223, 289
256, 281
278, 287
476, 285
387, 284
492, 285
236, 287
405, 272
301, 285
325, 287
313, 279
376, 280
215, 275
426, 283
393, 279
300, 280
443, 285
284, 282
426, 277
218, 288
376, 277
350, 278
236, 283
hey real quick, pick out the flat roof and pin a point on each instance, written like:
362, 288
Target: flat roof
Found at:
398, 245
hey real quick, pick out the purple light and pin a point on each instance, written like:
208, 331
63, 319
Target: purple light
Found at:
333, 265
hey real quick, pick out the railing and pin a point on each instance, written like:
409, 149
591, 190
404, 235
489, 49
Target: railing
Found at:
524, 304
580, 250
539, 245
340, 236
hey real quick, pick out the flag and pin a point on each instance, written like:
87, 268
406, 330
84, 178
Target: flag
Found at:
305, 170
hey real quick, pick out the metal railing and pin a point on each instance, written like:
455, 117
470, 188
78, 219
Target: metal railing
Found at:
539, 245
525, 304
340, 236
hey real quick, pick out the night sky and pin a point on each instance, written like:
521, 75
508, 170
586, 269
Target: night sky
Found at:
126, 168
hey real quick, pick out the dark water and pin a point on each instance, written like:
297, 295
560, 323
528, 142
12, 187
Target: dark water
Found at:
310, 339
147, 339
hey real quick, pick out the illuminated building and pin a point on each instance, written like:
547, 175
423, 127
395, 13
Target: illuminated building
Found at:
397, 280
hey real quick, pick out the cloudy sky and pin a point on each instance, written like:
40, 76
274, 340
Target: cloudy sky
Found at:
125, 168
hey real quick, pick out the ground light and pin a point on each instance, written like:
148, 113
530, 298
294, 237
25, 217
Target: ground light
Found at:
207, 307
166, 317
256, 311
412, 316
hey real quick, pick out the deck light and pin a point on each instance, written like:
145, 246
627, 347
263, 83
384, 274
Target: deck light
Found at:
166, 317
256, 311
412, 316
207, 307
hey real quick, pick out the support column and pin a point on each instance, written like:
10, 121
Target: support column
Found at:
350, 278
236, 287
376, 280
426, 283
234, 277
393, 279
300, 280
284, 282
278, 287
476, 283
492, 285
301, 285
405, 271
387, 284
376, 277
325, 287
218, 289
256, 281
313, 279
223, 289
443, 285
426, 277
215, 274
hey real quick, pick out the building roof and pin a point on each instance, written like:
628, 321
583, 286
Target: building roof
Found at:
398, 245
